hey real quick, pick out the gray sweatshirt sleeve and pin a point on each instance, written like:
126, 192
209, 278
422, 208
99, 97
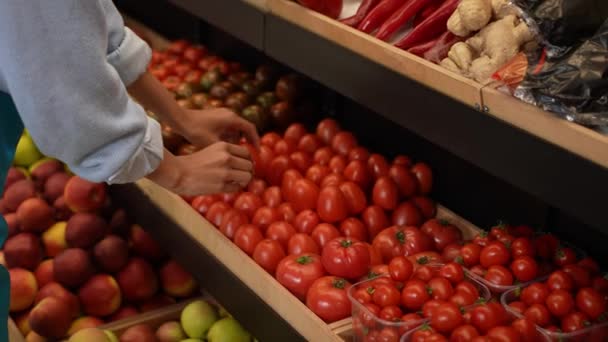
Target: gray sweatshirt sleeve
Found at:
65, 63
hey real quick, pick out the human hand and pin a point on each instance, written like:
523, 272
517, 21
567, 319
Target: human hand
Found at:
205, 127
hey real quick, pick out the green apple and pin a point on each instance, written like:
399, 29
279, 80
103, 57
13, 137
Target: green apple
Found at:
27, 153
192, 340
197, 317
111, 336
228, 330
224, 313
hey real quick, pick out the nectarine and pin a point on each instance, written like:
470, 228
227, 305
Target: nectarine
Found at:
23, 250
111, 253
124, 312
84, 322
100, 295
55, 185
137, 280
17, 193
84, 196
138, 333
144, 244
44, 273
23, 289
171, 332
54, 239
72, 267
89, 335
12, 222
176, 281
51, 318
55, 290
84, 230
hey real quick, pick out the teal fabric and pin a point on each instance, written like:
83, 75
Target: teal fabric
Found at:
11, 128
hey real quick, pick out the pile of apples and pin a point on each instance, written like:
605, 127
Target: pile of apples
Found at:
198, 321
74, 259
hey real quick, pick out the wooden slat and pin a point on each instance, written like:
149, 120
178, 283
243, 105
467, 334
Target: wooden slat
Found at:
14, 335
413, 67
570, 136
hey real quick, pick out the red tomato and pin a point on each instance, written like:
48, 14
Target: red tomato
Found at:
526, 329
216, 212
327, 129
591, 265
378, 166
327, 298
590, 302
375, 219
286, 212
273, 197
332, 179
574, 321
354, 197
464, 333
193, 77
518, 307
231, 221
560, 280
262, 160
524, 268
504, 334
495, 253
301, 160
331, 205
385, 193
407, 214
468, 288
538, 314
248, 203
337, 164
440, 288
470, 254
462, 299
430, 306
203, 203
363, 296
424, 175
270, 139
452, 272
486, 316
294, 133
207, 62
374, 257
442, 232
560, 303
306, 221
181, 69
405, 180
229, 198
546, 245
426, 205
564, 256
298, 272
353, 228
391, 313
422, 334
346, 258
309, 143
579, 274
317, 173
386, 295
356, 171
247, 238
522, 247
264, 216
358, 153
535, 293
302, 243
304, 195
425, 258
161, 72
414, 296
343, 142
400, 268
268, 253
257, 187
499, 275
289, 179
324, 233
280, 231
600, 284
322, 156
446, 318
401, 241
451, 252
277, 168
193, 54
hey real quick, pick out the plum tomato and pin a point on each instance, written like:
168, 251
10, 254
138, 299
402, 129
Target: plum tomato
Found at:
270, 139
560, 303
400, 268
322, 156
343, 142
331, 205
424, 175
327, 129
286, 212
346, 258
203, 203
277, 168
354, 197
332, 179
353, 228
499, 275
268, 253
407, 214
216, 212
427, 206
375, 219
538, 314
524, 268
287, 182
284, 148
535, 293
384, 193
231, 221
248, 203
323, 233
337, 164
257, 187
301, 160
495, 253
298, 272
272, 196
247, 238
327, 298
317, 173
309, 144
265, 216
358, 153
303, 195
406, 182
295, 132
356, 171
306, 221
378, 166
446, 318
302, 243
280, 231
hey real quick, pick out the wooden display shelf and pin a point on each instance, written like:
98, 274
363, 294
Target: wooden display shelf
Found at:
431, 75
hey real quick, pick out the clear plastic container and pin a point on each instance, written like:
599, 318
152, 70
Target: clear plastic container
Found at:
365, 322
594, 333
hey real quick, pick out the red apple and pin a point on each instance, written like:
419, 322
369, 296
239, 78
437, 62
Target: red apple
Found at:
35, 215
137, 280
23, 250
84, 322
100, 295
51, 318
44, 273
119, 223
43, 169
138, 333
176, 281
17, 193
14, 175
12, 221
55, 186
111, 253
84, 196
84, 230
55, 289
62, 212
124, 312
23, 289
72, 267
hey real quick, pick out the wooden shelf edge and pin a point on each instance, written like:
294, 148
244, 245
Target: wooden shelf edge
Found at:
259, 4
575, 138
431, 75
14, 334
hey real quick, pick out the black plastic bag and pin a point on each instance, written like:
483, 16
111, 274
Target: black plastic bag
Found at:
575, 86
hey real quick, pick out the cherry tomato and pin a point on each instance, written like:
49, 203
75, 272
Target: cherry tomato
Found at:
346, 258
451, 253
482, 239
324, 233
504, 334
354, 197
560, 303
560, 280
400, 268
464, 333
430, 306
353, 228
407, 214
306, 221
391, 313
499, 275
590, 265
424, 175
495, 253
301, 160
406, 182
546, 245
268, 253
280, 231
385, 193
421, 334
424, 273
580, 275
440, 288
387, 334
327, 129
317, 173
564, 256
535, 293
590, 302
538, 314
203, 203
485, 317
446, 318
358, 153
378, 166
247, 238
522, 247
298, 272
302, 243
356, 171
337, 164
410, 321
397, 241
364, 295
518, 307
527, 330
277, 168
272, 197
331, 205
375, 219
426, 206
294, 132
216, 212
327, 298
270, 139
248, 203
286, 212
343, 142
574, 321
264, 216
470, 254
332, 179
414, 295
524, 268
452, 272
231, 221
462, 299
322, 156
467, 287
600, 284
386, 295
304, 195
309, 144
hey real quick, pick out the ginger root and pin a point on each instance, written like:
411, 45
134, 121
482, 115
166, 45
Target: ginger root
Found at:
502, 8
470, 16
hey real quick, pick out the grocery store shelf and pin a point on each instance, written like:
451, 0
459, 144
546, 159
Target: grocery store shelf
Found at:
253, 296
242, 19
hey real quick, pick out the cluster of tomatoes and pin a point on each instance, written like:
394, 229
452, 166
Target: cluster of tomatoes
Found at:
565, 302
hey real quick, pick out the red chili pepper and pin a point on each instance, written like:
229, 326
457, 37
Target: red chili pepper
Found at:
332, 8
427, 11
365, 7
430, 27
440, 51
420, 49
379, 14
400, 18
